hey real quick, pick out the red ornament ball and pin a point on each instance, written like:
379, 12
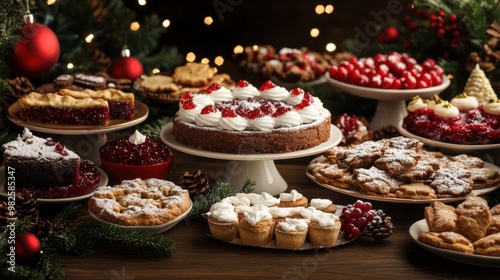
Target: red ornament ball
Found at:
126, 68
27, 247
36, 52
388, 34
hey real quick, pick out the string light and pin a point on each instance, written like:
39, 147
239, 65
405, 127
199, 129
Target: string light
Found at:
329, 9
89, 38
155, 71
219, 60
255, 48
238, 49
141, 2
331, 47
51, 2
319, 9
205, 60
208, 20
190, 57
314, 32
70, 65
166, 23
134, 26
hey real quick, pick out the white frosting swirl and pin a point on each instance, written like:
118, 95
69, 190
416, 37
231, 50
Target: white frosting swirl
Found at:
210, 119
276, 93
288, 119
188, 115
465, 102
260, 199
308, 114
446, 110
324, 219
237, 123
203, 100
320, 203
434, 102
236, 200
257, 214
262, 124
492, 107
318, 104
282, 212
225, 215
295, 99
309, 212
221, 205
292, 196
220, 95
137, 138
246, 92
291, 224
416, 104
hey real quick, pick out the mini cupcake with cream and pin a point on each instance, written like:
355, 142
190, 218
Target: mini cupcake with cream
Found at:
257, 227
223, 221
291, 233
293, 199
324, 229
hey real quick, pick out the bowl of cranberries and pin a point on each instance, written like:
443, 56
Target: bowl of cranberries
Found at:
392, 76
126, 159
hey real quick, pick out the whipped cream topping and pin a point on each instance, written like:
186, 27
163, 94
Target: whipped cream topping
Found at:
446, 110
464, 102
237, 123
137, 138
210, 119
308, 114
277, 93
222, 94
309, 212
203, 100
223, 212
318, 104
257, 214
434, 101
416, 104
221, 205
260, 199
261, 124
292, 196
492, 107
320, 203
288, 119
248, 91
324, 219
296, 98
282, 212
291, 224
188, 115
242, 208
237, 200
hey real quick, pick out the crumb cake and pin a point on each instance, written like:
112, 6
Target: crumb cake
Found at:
47, 169
140, 202
59, 109
247, 120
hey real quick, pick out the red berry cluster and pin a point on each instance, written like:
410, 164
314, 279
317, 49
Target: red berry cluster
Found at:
388, 71
355, 217
348, 125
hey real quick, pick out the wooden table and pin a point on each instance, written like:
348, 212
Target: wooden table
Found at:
198, 256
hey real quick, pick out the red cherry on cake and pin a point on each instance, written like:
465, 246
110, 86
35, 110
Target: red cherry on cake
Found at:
297, 92
268, 108
208, 109
228, 113
187, 96
304, 103
308, 97
212, 87
267, 85
188, 105
254, 114
242, 83
281, 111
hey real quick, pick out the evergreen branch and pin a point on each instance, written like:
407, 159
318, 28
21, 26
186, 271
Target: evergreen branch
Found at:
66, 213
153, 129
202, 205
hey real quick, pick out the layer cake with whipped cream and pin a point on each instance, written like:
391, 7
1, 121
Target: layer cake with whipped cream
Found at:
250, 120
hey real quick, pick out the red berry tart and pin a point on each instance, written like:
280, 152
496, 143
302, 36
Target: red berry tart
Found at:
269, 119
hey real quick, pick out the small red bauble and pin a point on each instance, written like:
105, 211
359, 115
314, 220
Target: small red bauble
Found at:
27, 247
36, 52
126, 68
388, 34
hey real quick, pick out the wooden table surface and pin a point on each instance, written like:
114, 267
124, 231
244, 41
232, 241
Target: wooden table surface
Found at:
198, 256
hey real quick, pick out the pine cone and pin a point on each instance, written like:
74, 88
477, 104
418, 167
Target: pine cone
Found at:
20, 86
5, 215
196, 182
26, 206
380, 227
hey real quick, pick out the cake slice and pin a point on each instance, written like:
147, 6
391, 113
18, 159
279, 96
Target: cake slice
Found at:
121, 104
36, 162
63, 109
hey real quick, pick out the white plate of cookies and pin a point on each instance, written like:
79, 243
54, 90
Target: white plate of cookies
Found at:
448, 232
400, 170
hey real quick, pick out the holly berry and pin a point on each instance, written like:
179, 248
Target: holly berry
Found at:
208, 109
267, 85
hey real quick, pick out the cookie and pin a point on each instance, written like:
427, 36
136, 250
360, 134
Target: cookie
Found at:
193, 74
447, 240
488, 245
484, 177
360, 156
416, 191
449, 182
335, 176
465, 161
473, 217
396, 161
422, 171
440, 217
374, 181
63, 81
159, 83
89, 81
404, 143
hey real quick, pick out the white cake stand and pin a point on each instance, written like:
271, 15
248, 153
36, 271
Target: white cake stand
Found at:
256, 167
391, 103
84, 140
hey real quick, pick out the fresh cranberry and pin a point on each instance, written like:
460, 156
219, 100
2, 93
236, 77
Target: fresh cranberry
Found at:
297, 92
304, 103
281, 111
228, 113
60, 149
267, 85
254, 114
242, 83
308, 97
387, 82
208, 109
188, 105
268, 108
213, 87
187, 96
